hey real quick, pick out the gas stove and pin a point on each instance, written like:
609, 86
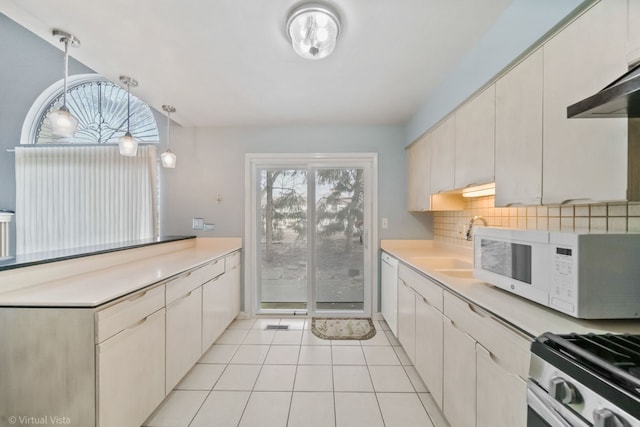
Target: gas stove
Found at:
584, 380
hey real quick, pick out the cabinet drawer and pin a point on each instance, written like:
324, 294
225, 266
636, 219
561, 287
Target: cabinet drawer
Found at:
128, 311
232, 261
424, 286
508, 346
130, 373
212, 269
183, 284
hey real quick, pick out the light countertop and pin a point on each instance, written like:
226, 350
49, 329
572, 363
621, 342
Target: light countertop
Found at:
101, 285
532, 318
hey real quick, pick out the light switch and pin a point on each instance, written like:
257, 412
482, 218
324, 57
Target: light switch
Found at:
385, 222
198, 224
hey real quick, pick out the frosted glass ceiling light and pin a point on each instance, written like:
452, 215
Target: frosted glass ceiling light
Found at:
62, 121
127, 145
167, 158
313, 30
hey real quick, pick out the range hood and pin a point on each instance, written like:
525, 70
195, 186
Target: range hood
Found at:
620, 99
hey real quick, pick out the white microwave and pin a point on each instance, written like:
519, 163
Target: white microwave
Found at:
584, 275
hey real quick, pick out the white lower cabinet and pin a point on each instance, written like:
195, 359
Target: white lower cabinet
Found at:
474, 364
184, 335
215, 303
112, 365
429, 335
130, 373
232, 269
420, 326
459, 371
407, 317
501, 395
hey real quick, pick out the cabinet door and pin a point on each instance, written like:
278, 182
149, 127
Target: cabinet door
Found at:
519, 134
459, 382
633, 44
215, 303
184, 336
235, 284
502, 395
442, 156
428, 363
418, 175
131, 368
407, 318
475, 140
584, 159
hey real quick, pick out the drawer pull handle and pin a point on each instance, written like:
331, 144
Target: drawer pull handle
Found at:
137, 296
477, 311
138, 323
426, 301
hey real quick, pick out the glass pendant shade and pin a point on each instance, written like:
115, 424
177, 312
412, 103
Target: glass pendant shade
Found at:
63, 123
168, 159
313, 30
127, 145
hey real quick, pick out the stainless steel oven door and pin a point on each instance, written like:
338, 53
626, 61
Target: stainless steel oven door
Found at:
545, 411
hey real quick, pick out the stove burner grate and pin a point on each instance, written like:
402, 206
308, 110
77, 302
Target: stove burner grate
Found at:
614, 357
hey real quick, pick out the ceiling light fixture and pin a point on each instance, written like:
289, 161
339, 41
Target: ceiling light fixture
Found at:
167, 158
127, 144
313, 29
62, 121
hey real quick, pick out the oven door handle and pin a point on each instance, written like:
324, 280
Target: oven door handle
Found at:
552, 411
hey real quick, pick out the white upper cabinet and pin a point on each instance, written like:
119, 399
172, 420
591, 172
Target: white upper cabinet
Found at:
418, 175
442, 156
584, 160
518, 160
633, 46
475, 140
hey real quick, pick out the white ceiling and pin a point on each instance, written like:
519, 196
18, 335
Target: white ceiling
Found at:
229, 63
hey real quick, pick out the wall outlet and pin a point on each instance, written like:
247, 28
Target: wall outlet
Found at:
385, 222
198, 224
209, 227
462, 229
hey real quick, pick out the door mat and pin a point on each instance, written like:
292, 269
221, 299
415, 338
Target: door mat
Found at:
343, 328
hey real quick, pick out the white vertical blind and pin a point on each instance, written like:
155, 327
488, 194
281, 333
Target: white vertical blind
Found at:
72, 197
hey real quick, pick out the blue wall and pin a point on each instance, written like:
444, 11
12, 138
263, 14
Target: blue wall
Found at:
521, 24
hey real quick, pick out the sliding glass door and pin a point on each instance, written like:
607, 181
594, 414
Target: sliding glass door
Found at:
311, 241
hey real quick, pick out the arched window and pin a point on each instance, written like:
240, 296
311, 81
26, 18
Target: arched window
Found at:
101, 109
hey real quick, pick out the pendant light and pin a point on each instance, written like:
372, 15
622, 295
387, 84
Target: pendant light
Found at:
167, 158
127, 144
313, 29
62, 121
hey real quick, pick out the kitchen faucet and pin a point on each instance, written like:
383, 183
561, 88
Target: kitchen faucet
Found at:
470, 225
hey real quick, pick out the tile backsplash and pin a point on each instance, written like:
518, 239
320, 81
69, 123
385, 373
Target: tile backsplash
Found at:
449, 227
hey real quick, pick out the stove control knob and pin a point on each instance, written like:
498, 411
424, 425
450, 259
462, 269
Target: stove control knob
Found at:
605, 418
563, 391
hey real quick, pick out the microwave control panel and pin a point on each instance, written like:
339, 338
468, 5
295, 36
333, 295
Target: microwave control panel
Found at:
563, 277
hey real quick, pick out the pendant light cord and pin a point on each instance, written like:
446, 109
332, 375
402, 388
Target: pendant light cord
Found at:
128, 104
66, 71
168, 129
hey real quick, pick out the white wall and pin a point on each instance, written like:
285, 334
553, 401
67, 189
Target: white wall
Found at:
521, 24
211, 162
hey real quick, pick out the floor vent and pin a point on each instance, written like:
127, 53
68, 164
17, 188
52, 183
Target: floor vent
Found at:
277, 328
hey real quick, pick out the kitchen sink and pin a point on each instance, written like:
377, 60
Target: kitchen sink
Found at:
441, 263
457, 273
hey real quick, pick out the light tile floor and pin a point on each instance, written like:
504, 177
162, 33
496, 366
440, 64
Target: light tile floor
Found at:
254, 377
